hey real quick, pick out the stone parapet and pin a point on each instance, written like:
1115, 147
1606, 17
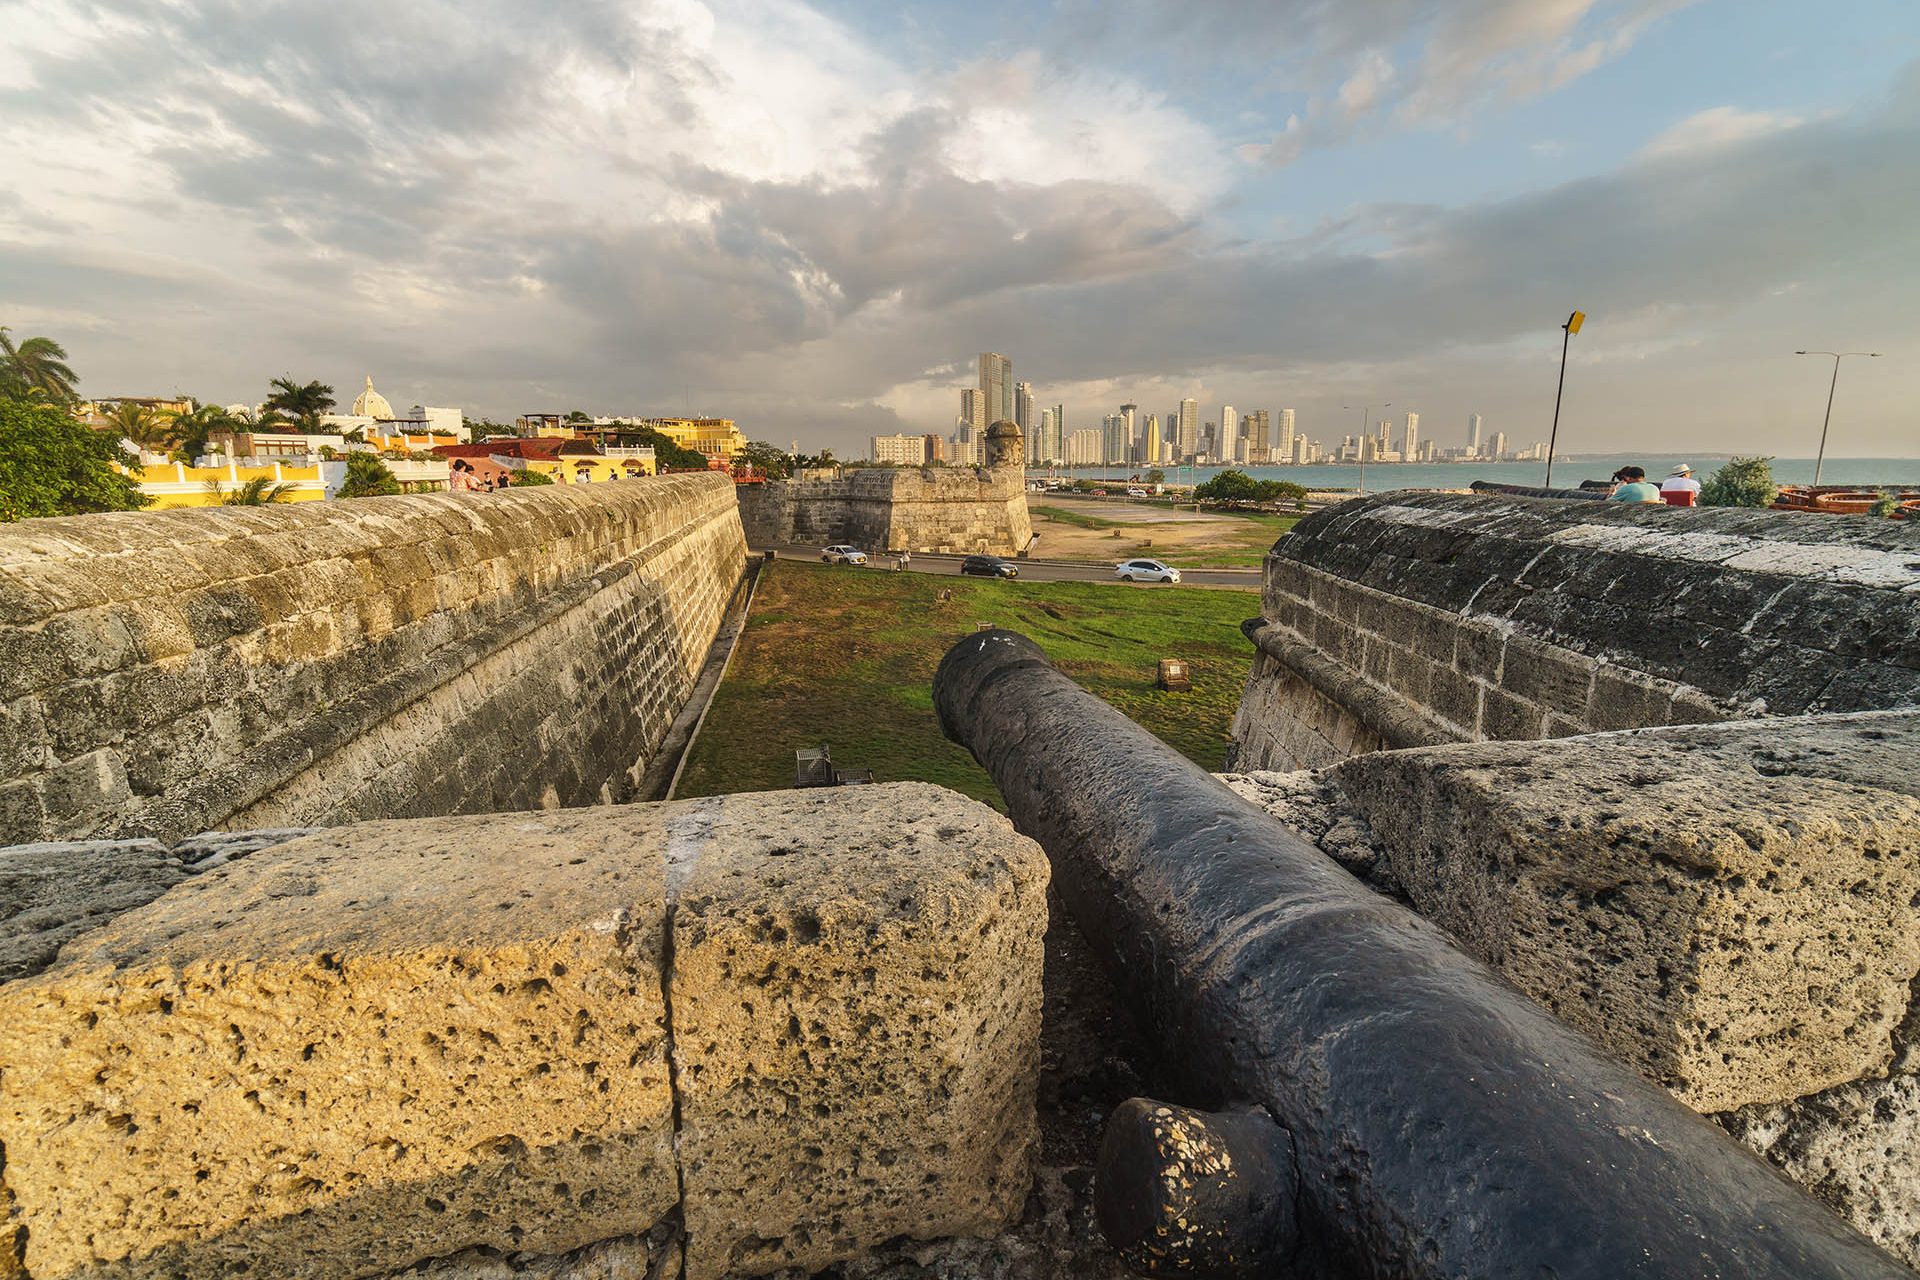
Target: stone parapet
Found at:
796, 1024
1501, 618
1726, 907
166, 672
883, 509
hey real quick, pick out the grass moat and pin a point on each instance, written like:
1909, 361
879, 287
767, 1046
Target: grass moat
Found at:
846, 657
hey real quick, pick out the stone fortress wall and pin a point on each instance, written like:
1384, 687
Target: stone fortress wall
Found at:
958, 510
1410, 619
1711, 868
169, 672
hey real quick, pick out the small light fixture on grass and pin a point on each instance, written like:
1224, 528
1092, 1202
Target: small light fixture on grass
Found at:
1173, 676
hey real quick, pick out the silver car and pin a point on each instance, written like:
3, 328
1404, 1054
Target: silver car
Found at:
842, 554
1145, 571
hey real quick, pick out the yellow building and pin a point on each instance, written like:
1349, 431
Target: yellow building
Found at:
175, 484
409, 442
714, 437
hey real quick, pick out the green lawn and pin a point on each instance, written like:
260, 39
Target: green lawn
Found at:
846, 656
1237, 540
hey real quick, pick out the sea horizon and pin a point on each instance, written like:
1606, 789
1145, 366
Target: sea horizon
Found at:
1569, 471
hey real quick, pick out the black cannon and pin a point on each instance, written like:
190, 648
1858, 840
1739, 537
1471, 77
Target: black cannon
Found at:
1440, 1124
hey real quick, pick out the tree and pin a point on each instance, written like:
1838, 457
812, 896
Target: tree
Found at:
769, 460
1743, 482
297, 404
575, 415
521, 479
142, 425
257, 492
1231, 485
191, 430
51, 465
1156, 476
368, 477
35, 364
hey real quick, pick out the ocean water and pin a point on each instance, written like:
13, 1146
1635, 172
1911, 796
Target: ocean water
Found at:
1568, 472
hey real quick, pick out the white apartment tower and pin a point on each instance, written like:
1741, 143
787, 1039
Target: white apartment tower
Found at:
1187, 433
1473, 435
996, 385
905, 451
1023, 408
1411, 451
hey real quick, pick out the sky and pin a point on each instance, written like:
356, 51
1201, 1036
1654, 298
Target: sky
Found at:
812, 217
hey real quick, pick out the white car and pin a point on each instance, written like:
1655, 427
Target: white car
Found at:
842, 554
1145, 571
1138, 493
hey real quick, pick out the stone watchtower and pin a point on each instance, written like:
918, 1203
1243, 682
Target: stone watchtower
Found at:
1005, 446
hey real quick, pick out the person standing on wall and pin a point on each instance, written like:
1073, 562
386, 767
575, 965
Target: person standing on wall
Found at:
1680, 489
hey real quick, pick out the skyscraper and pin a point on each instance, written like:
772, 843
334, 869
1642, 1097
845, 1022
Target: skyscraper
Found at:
1284, 437
1150, 451
1411, 451
1229, 433
1473, 434
973, 409
1187, 435
1047, 447
996, 384
1060, 431
1023, 409
1260, 437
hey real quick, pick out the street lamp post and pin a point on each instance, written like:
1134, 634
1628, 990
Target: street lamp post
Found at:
1571, 327
1366, 421
1821, 459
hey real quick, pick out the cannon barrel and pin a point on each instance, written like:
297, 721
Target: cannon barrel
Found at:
1443, 1124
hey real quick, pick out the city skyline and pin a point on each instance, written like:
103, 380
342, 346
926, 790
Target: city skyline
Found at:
1299, 205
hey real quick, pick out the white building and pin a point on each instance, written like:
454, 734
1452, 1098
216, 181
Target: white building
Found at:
1411, 449
1085, 448
904, 451
1473, 434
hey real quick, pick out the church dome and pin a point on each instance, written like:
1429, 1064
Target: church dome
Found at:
371, 404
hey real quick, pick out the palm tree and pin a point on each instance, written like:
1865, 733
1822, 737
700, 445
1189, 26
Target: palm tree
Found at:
37, 363
192, 429
140, 424
299, 403
257, 492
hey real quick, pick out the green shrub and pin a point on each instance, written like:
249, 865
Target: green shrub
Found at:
1743, 482
368, 477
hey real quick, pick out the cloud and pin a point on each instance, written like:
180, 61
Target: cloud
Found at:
749, 208
1435, 63
1719, 127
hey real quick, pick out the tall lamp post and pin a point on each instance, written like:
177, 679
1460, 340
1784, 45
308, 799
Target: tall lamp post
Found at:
1571, 327
1366, 421
1821, 459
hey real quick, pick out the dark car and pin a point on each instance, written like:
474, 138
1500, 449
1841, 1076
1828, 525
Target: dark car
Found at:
988, 567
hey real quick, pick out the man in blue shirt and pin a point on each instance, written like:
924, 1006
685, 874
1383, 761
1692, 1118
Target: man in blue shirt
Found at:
1634, 487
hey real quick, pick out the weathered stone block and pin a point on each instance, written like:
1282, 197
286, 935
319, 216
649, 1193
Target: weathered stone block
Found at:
1742, 935
403, 1041
51, 893
856, 1014
381, 1044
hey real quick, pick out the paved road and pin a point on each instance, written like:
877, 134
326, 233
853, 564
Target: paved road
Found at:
1050, 570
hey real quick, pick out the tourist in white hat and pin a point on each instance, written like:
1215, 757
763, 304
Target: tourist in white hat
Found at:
1680, 489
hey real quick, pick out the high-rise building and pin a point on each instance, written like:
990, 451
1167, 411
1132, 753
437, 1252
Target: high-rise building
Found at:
1283, 435
1260, 437
1299, 447
1229, 432
1060, 431
1113, 441
1150, 447
904, 451
1411, 449
1045, 448
1499, 445
996, 384
1023, 408
936, 448
973, 409
1084, 448
1187, 434
1473, 435
1129, 432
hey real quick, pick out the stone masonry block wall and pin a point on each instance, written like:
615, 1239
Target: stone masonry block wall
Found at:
892, 509
164, 673
1410, 619
752, 1032
1728, 908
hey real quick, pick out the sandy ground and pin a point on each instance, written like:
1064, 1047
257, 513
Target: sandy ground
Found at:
1148, 530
